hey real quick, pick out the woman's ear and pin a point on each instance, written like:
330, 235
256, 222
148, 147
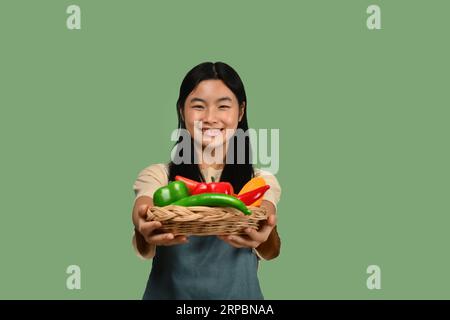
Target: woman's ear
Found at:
241, 111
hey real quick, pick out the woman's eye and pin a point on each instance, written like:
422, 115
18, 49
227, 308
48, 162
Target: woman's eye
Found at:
224, 107
197, 107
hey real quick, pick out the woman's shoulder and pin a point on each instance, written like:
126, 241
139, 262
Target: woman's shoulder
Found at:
267, 175
261, 173
150, 179
157, 167
159, 171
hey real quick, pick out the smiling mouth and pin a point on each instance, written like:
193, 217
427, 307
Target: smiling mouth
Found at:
212, 132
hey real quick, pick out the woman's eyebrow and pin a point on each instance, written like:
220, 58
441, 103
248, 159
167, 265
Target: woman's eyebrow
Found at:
218, 100
224, 99
197, 99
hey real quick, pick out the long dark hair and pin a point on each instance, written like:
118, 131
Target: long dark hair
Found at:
237, 173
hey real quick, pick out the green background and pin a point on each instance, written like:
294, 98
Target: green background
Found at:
363, 118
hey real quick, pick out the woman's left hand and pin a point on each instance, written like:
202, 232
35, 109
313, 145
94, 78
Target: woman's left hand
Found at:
253, 238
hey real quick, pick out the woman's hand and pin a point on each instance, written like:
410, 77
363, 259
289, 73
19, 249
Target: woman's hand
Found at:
265, 240
253, 238
151, 234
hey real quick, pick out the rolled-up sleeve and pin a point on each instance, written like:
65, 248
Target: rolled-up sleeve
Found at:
274, 193
150, 179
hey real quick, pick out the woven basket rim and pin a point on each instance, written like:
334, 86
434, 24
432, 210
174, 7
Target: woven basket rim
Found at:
202, 220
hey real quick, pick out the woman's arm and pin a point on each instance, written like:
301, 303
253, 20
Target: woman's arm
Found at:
270, 249
144, 248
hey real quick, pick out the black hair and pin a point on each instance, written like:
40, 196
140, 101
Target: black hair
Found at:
236, 172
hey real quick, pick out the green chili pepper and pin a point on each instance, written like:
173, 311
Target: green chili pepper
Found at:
174, 191
213, 200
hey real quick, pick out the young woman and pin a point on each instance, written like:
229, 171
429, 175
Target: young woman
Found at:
211, 104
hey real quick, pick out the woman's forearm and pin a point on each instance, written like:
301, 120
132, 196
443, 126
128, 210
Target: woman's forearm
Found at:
270, 249
143, 247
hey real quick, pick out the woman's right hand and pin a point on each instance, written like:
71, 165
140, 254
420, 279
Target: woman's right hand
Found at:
149, 231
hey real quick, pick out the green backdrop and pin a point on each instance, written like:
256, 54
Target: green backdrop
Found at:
363, 118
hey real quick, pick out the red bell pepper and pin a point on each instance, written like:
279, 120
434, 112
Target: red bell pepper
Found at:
251, 197
203, 187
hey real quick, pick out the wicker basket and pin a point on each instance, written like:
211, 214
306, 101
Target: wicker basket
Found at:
203, 221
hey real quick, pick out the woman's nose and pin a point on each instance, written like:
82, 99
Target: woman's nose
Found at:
210, 116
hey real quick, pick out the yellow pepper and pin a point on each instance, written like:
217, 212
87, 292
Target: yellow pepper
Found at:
253, 184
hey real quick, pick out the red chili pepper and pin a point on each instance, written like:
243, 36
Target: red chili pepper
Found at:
252, 196
203, 187
190, 184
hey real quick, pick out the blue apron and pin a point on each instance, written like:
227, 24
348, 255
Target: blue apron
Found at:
204, 268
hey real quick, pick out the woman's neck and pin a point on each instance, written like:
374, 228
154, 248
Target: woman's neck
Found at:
211, 162
216, 166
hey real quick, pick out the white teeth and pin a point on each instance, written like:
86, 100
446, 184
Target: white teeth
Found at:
212, 132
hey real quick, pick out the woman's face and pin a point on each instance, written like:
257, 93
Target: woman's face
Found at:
210, 109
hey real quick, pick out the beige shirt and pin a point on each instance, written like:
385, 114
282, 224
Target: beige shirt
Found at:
157, 175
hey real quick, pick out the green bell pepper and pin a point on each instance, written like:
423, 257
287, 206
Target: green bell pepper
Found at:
213, 200
174, 191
